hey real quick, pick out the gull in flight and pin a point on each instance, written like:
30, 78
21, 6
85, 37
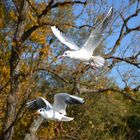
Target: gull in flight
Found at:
85, 53
58, 110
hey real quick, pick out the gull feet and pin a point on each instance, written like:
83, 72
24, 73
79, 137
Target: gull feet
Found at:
59, 128
92, 65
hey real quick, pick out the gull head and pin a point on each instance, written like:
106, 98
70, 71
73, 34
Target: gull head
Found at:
42, 112
67, 54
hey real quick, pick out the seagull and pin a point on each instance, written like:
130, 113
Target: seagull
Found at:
57, 111
85, 53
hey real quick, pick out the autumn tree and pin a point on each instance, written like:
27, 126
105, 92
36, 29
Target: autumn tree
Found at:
30, 68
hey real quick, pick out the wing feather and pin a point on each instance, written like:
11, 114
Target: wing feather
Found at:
64, 39
61, 100
97, 34
39, 103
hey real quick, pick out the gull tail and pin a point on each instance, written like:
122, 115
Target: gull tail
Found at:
98, 61
66, 119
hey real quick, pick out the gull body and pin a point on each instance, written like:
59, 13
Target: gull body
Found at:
85, 53
53, 115
82, 55
57, 111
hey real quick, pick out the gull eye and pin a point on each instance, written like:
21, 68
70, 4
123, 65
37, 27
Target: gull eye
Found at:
65, 53
41, 110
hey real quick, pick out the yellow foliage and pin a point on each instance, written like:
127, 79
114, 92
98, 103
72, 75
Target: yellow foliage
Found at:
47, 131
5, 71
40, 7
1, 17
1, 23
39, 35
12, 15
14, 43
45, 50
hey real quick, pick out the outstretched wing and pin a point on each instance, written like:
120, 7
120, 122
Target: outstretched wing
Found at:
39, 103
96, 35
64, 39
62, 99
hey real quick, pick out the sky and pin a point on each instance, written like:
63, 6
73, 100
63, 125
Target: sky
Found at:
120, 69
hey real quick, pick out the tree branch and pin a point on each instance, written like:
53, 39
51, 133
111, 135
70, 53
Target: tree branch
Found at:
28, 33
122, 33
124, 93
51, 6
136, 88
127, 60
1, 89
54, 73
18, 114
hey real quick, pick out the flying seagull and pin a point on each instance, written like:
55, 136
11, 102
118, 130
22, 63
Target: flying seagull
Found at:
85, 53
57, 111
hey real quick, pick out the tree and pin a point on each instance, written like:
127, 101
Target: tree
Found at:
30, 68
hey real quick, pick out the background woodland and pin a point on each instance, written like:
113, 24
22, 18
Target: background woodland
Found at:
29, 68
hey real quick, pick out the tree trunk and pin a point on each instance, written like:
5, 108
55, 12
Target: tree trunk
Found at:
14, 74
34, 127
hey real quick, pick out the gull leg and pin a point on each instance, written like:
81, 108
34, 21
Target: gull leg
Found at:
56, 130
59, 128
63, 130
93, 66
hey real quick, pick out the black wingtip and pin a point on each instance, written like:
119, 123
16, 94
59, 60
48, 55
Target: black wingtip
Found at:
74, 101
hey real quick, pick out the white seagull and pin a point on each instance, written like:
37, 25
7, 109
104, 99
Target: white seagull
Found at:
84, 53
58, 110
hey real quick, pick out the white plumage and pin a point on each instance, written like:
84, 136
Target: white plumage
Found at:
58, 110
86, 51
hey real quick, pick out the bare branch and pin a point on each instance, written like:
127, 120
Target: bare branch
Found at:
48, 7
137, 88
53, 72
126, 85
51, 6
117, 43
32, 7
27, 33
133, 15
124, 93
127, 60
7, 83
122, 33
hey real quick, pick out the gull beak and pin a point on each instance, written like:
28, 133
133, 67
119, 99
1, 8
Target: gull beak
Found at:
60, 57
36, 113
